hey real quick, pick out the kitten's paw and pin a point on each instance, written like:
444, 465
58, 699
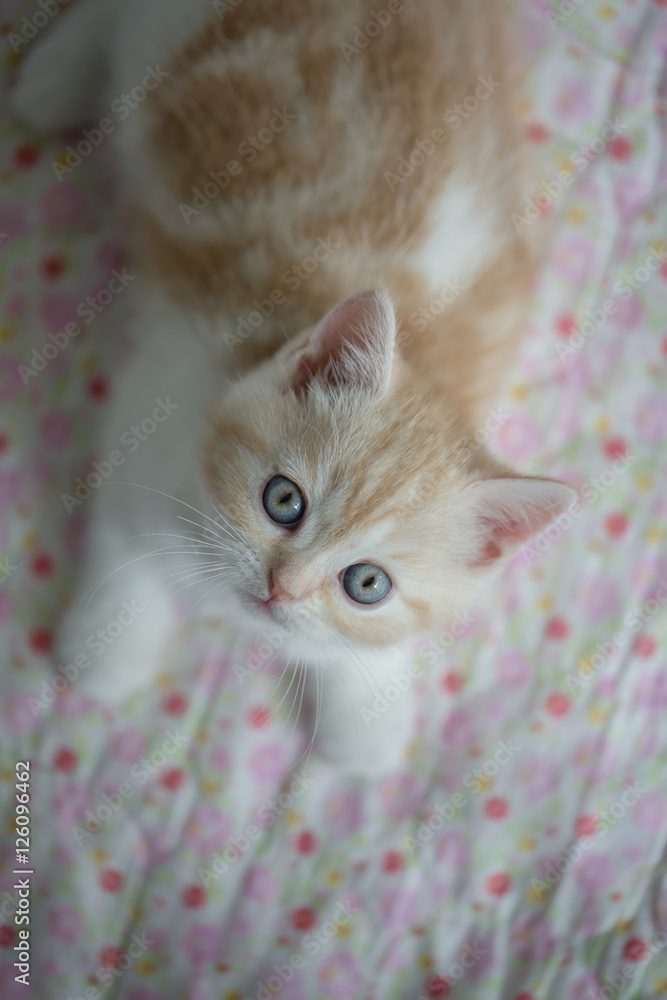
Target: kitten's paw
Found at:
59, 81
367, 748
45, 103
370, 760
117, 654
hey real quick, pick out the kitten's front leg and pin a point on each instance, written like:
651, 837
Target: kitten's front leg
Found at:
138, 552
365, 720
113, 638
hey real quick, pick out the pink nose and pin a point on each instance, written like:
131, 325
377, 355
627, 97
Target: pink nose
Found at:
276, 590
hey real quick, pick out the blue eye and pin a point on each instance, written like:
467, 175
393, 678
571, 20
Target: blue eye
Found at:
283, 501
365, 583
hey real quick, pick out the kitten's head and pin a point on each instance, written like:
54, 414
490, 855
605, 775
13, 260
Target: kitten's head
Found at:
359, 510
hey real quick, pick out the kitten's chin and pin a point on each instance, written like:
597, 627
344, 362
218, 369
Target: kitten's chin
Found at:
295, 631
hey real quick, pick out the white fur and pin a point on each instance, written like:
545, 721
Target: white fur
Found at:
463, 237
133, 512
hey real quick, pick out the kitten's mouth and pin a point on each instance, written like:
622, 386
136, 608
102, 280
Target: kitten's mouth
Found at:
266, 606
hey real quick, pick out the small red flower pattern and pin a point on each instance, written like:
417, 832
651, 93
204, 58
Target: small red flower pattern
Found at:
305, 842
111, 880
616, 525
26, 155
556, 628
498, 884
175, 704
615, 448
392, 861
65, 759
303, 918
40, 640
98, 388
537, 132
452, 681
193, 896
635, 949
172, 779
620, 148
259, 717
496, 807
110, 956
644, 645
585, 826
565, 325
41, 565
557, 704
52, 267
437, 987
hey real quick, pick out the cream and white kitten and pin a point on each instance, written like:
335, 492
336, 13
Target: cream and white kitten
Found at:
320, 197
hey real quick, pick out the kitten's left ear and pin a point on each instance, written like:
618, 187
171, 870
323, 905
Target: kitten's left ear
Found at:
352, 346
506, 512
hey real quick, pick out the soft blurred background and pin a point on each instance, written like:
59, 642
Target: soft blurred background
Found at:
204, 754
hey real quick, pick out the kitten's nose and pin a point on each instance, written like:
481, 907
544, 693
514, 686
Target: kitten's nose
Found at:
276, 590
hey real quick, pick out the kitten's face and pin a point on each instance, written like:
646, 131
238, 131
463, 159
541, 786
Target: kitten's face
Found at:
356, 518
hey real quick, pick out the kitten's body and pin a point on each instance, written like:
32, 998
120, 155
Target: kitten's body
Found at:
359, 179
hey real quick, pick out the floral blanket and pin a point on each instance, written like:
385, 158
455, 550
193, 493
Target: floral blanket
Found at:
186, 850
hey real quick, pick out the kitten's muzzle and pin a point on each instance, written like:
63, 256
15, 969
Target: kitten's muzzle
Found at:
276, 590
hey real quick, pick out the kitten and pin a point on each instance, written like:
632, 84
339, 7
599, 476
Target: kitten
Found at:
320, 197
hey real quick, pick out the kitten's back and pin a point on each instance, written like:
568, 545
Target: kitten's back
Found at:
299, 122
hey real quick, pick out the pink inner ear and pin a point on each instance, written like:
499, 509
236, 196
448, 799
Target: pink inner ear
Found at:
353, 344
500, 536
510, 511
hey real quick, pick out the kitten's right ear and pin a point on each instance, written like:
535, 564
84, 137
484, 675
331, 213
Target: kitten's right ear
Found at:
506, 512
352, 347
